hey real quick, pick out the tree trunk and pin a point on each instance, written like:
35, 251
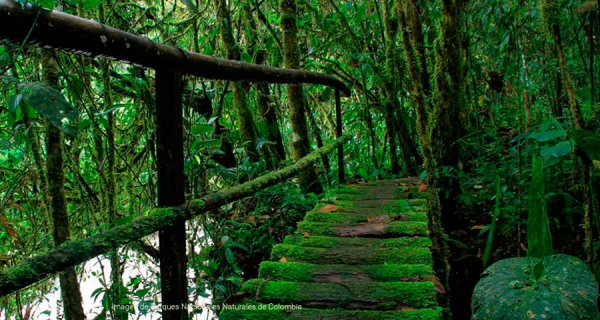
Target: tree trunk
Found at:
170, 177
445, 131
240, 92
55, 174
402, 131
550, 10
413, 45
116, 275
300, 143
268, 114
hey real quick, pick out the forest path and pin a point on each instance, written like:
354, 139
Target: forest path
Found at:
361, 254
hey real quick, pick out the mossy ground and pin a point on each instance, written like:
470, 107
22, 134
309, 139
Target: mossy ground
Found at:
361, 254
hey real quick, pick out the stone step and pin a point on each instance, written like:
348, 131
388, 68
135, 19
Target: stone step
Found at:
357, 217
351, 243
307, 272
363, 296
357, 255
280, 312
379, 230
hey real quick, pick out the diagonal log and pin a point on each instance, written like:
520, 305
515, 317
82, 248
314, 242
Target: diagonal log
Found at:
62, 31
75, 252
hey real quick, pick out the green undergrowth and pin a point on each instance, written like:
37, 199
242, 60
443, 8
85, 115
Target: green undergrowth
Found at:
243, 235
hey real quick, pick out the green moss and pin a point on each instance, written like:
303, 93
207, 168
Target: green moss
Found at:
352, 255
331, 242
307, 272
330, 314
408, 228
384, 295
392, 272
394, 228
349, 217
289, 271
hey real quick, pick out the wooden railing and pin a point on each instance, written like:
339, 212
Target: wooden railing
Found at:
61, 31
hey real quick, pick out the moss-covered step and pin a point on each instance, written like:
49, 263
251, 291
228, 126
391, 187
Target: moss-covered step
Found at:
364, 296
307, 272
280, 312
420, 196
374, 193
377, 229
356, 255
349, 205
356, 217
401, 182
350, 243
345, 194
367, 206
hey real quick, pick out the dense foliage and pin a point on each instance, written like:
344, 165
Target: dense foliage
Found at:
464, 94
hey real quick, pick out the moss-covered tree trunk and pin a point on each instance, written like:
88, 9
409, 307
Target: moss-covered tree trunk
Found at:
445, 131
414, 54
117, 288
300, 143
240, 92
55, 175
399, 132
267, 112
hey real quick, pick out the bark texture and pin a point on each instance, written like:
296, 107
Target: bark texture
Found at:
240, 92
300, 143
69, 286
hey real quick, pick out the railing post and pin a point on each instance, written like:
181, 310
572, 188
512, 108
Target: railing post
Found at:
338, 133
169, 154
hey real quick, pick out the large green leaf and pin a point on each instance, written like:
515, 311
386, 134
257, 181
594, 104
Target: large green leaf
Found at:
588, 141
539, 239
558, 150
51, 104
548, 135
565, 290
497, 211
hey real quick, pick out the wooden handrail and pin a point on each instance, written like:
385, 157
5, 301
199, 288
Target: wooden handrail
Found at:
59, 30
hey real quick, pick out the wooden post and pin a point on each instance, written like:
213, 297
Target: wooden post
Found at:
169, 136
338, 133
